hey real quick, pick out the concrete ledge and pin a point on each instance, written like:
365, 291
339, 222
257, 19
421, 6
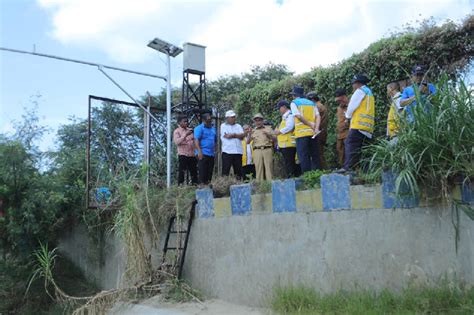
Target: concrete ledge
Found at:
240, 201
205, 205
284, 196
335, 192
390, 199
366, 197
309, 200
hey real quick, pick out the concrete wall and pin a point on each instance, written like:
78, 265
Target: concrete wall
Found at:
103, 259
336, 237
242, 258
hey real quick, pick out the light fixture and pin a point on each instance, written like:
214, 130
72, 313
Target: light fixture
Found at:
165, 47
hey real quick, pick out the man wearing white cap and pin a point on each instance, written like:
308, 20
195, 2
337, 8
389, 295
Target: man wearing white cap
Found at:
231, 138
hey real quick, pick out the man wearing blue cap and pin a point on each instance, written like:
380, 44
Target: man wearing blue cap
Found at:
408, 98
360, 115
307, 122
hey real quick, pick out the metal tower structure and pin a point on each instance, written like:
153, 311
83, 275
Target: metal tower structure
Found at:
194, 94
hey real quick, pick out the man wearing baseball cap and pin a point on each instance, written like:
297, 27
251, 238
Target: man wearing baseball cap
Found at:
231, 139
307, 122
286, 137
360, 115
408, 98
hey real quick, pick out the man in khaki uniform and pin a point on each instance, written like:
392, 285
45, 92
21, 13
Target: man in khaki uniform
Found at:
323, 126
262, 144
342, 127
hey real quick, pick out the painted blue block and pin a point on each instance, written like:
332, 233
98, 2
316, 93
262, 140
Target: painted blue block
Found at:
284, 195
336, 192
467, 192
240, 199
390, 199
205, 205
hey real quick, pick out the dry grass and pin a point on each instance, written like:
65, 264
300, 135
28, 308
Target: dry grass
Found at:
221, 185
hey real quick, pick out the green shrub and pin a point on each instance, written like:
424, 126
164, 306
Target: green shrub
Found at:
445, 48
312, 179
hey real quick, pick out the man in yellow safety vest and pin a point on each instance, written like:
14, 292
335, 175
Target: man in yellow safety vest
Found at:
360, 115
286, 137
307, 122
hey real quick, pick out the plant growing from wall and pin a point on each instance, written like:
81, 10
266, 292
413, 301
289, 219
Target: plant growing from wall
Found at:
312, 179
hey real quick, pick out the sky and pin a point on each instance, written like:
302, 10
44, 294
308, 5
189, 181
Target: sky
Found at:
237, 34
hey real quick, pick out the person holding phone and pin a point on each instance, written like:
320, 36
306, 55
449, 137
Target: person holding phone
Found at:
183, 137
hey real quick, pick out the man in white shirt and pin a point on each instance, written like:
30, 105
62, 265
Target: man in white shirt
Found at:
360, 116
231, 138
286, 138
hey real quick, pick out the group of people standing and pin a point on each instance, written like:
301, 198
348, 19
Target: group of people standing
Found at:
301, 135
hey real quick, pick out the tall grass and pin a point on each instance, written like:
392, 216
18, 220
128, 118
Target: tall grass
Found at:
436, 149
143, 211
442, 300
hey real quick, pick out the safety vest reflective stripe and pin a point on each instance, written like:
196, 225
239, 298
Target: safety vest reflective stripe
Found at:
367, 116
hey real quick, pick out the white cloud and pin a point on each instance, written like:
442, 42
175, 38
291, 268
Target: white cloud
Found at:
240, 33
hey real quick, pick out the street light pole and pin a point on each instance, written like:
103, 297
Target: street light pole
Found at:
168, 121
169, 50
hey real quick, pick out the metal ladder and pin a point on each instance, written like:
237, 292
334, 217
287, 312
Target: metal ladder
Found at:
179, 248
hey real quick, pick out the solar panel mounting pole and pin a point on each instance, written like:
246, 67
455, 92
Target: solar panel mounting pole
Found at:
169, 50
168, 122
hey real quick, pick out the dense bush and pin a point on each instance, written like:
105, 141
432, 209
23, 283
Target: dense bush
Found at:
446, 48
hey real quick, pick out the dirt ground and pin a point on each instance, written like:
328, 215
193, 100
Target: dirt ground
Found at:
209, 307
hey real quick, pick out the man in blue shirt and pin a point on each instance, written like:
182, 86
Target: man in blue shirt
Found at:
205, 138
408, 98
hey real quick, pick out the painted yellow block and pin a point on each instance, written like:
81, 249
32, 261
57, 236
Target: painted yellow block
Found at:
309, 200
366, 197
222, 207
262, 203
456, 194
